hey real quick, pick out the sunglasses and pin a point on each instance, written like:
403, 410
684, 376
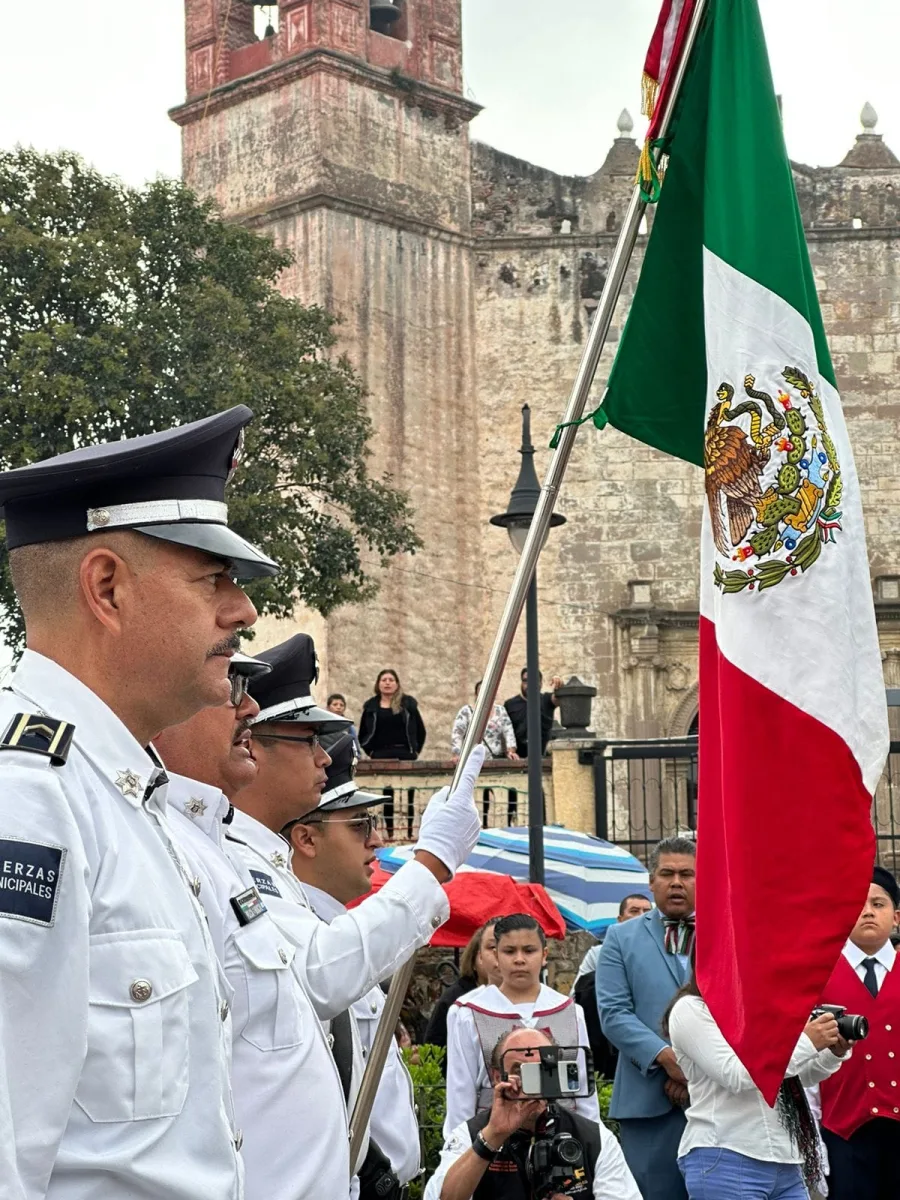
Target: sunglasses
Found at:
313, 741
365, 825
239, 686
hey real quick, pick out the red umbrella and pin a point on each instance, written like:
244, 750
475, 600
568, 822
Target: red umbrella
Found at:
476, 896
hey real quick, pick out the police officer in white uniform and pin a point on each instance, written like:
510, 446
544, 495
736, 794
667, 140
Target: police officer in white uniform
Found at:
342, 961
334, 858
288, 1093
113, 1050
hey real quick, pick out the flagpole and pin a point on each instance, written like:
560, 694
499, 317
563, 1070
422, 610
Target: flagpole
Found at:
537, 534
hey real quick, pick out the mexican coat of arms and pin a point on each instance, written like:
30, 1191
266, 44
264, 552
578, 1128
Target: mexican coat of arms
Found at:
773, 482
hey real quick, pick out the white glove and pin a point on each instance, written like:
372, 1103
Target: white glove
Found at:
450, 824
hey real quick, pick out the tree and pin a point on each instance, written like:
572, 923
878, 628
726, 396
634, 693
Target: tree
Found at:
127, 311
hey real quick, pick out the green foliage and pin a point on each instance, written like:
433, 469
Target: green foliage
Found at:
126, 311
424, 1065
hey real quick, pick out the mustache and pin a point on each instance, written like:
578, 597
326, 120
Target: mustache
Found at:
242, 728
232, 642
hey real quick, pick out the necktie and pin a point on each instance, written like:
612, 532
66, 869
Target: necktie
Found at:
870, 979
679, 934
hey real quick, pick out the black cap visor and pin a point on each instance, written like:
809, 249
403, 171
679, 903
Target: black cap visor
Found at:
218, 541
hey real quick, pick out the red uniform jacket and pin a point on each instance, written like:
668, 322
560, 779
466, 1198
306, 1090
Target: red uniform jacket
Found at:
868, 1084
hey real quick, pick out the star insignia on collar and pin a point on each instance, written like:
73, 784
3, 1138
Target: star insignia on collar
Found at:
195, 807
128, 783
277, 859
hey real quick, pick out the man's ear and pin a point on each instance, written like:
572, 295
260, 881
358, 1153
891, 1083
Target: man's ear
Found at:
103, 577
303, 840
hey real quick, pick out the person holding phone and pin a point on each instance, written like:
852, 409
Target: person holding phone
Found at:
522, 1147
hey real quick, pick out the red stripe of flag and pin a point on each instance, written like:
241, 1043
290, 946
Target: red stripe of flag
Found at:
785, 847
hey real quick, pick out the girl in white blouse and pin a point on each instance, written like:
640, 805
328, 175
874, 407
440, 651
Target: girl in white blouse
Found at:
735, 1146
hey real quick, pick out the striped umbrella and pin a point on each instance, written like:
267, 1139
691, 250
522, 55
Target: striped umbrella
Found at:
585, 877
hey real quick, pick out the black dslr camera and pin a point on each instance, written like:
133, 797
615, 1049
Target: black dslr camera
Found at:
851, 1028
555, 1161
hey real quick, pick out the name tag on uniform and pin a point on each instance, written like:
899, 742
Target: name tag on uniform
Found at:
29, 878
248, 906
265, 883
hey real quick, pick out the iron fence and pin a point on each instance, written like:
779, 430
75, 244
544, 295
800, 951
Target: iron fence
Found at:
402, 814
645, 791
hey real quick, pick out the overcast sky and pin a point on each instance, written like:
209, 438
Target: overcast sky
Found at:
98, 76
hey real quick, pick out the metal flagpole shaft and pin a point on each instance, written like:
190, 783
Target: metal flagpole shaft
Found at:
540, 524
535, 757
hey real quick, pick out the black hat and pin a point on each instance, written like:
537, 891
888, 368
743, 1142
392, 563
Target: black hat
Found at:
169, 485
285, 694
885, 880
243, 664
341, 790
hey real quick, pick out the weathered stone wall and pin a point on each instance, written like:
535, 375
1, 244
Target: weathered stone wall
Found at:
466, 280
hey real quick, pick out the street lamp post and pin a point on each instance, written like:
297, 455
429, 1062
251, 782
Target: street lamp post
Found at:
516, 521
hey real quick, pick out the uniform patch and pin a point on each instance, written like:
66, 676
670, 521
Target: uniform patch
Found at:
265, 883
39, 735
248, 906
29, 879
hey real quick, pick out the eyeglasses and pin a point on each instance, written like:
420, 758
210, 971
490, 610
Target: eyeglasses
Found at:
239, 686
313, 741
365, 825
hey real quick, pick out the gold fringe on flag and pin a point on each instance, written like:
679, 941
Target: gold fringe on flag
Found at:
649, 176
649, 92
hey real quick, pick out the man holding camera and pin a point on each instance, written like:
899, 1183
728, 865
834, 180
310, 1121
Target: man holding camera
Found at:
861, 1103
523, 1148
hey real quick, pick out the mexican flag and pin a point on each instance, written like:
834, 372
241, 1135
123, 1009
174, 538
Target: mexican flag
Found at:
723, 362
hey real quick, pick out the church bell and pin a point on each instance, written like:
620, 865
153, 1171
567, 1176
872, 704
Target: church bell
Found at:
382, 15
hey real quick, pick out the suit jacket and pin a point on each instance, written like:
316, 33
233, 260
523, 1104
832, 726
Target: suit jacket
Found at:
636, 979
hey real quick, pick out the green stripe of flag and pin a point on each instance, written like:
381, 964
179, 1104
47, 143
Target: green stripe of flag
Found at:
729, 187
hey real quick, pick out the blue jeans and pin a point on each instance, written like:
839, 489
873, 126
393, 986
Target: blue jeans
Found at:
713, 1174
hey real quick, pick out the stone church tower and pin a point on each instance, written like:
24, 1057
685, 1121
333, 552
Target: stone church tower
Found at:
466, 281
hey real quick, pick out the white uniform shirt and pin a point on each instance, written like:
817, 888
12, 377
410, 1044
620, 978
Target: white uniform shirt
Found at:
727, 1109
884, 961
466, 1073
394, 1125
612, 1178
342, 961
287, 1092
113, 1053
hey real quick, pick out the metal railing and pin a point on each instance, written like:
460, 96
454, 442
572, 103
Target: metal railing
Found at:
645, 791
402, 814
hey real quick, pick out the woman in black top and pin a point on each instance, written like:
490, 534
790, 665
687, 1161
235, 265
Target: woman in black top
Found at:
391, 725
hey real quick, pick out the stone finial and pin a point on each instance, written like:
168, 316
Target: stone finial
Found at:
625, 125
868, 117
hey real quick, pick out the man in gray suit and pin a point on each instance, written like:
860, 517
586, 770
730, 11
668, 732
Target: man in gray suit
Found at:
642, 964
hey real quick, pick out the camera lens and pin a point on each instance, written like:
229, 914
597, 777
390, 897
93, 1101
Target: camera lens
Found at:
853, 1028
568, 1150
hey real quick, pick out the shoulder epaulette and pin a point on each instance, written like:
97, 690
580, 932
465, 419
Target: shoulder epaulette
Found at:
39, 735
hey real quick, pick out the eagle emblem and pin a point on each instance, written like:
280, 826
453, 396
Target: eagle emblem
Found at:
773, 482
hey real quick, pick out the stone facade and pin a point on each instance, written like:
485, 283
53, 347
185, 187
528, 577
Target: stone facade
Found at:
466, 281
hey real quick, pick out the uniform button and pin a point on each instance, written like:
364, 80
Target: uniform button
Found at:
890, 1054
141, 990
868, 1058
365, 1052
897, 1110
373, 1007
238, 1139
888, 1028
874, 1110
893, 1083
871, 1084
436, 924
224, 1010
195, 885
282, 955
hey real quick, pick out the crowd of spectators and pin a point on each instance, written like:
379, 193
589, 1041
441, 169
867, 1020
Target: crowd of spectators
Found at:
688, 1119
